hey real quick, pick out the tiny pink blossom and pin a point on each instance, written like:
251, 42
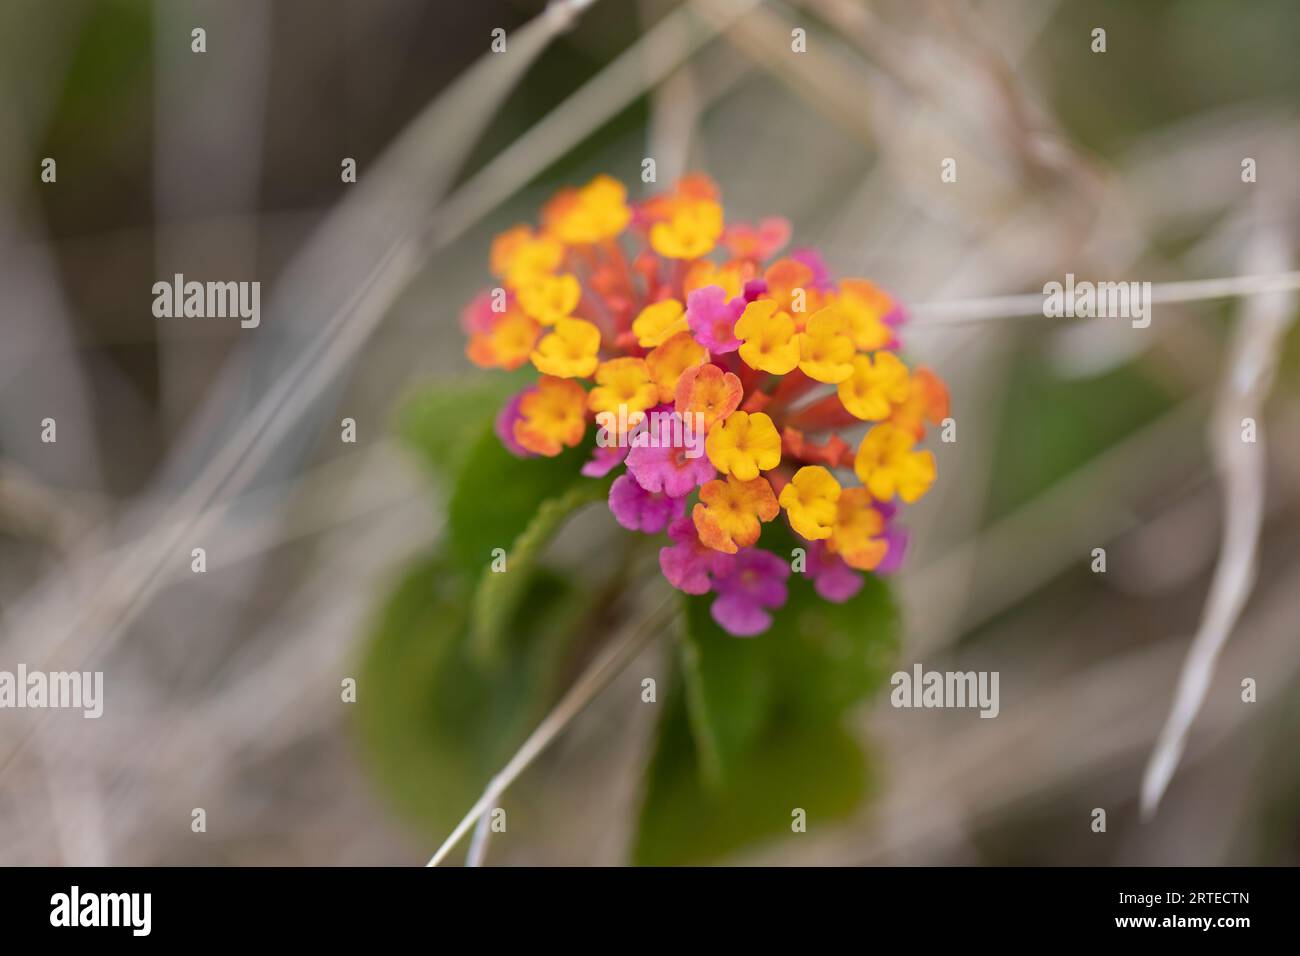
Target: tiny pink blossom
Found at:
752, 588
639, 510
688, 564
713, 319
659, 465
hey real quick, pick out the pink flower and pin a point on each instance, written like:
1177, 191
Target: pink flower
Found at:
713, 319
639, 510
478, 318
895, 537
834, 580
661, 465
746, 241
505, 424
688, 564
604, 459
754, 586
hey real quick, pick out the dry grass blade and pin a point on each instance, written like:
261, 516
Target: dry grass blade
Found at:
1240, 465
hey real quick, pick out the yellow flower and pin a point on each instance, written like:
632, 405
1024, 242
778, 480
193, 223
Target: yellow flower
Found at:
506, 246
508, 343
857, 536
550, 298
875, 387
743, 445
623, 382
519, 256
730, 277
551, 416
888, 464
596, 212
810, 498
659, 322
769, 340
691, 232
864, 306
825, 348
568, 350
728, 514
668, 361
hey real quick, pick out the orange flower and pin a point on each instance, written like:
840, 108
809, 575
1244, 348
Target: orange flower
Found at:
731, 276
552, 416
519, 255
787, 277
709, 391
857, 535
926, 401
670, 359
507, 344
729, 513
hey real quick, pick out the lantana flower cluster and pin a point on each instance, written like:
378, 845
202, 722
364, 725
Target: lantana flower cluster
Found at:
721, 376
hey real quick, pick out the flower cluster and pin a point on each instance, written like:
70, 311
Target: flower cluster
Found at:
659, 314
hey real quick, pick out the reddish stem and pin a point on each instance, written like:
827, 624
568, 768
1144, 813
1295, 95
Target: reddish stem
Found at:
823, 414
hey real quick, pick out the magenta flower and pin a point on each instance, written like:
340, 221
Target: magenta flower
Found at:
639, 510
754, 586
661, 465
604, 459
896, 538
689, 565
834, 580
713, 319
504, 425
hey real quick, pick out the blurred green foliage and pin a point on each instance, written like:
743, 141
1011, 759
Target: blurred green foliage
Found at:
463, 661
756, 728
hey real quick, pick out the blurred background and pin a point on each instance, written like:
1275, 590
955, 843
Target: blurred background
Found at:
223, 689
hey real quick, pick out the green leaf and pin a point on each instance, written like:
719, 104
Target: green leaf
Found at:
496, 496
441, 422
817, 660
498, 595
435, 724
757, 727
815, 766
